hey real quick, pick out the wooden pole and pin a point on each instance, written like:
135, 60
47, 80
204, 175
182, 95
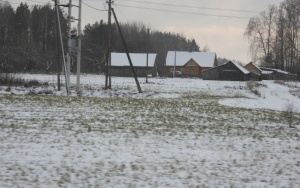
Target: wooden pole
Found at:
57, 46
127, 52
108, 60
79, 50
148, 30
63, 52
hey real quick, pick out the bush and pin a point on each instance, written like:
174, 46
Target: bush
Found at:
289, 113
10, 79
253, 87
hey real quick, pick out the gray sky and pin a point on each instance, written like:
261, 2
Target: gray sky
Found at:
222, 34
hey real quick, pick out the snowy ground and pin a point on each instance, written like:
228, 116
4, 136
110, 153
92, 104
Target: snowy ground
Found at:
177, 133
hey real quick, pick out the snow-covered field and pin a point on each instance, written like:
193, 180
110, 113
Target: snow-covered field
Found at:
177, 133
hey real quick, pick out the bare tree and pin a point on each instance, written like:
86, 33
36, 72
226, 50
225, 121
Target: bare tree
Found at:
260, 33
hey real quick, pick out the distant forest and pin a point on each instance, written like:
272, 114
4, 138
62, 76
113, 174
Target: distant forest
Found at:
28, 41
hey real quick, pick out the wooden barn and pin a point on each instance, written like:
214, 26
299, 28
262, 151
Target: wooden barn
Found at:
265, 75
120, 65
230, 71
190, 64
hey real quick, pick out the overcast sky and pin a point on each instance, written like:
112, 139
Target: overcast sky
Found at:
216, 23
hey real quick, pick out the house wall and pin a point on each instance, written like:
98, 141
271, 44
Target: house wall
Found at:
230, 72
211, 74
192, 69
254, 76
267, 76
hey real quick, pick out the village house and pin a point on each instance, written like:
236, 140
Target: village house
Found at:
120, 65
230, 71
189, 64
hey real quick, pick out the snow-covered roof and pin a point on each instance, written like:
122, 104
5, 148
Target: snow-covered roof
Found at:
245, 71
203, 59
276, 70
266, 72
138, 59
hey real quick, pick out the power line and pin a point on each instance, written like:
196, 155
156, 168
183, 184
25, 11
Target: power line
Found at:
194, 7
183, 12
37, 1
10, 2
25, 2
93, 7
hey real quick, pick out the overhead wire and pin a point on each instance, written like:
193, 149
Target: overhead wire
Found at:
194, 7
9, 2
182, 12
102, 10
39, 2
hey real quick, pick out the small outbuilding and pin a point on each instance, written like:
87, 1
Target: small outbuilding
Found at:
270, 73
120, 65
189, 64
230, 71
265, 75
278, 74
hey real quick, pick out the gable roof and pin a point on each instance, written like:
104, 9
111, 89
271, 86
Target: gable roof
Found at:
203, 59
138, 59
245, 71
251, 63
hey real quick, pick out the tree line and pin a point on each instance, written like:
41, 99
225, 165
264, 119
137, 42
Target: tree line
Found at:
28, 40
274, 36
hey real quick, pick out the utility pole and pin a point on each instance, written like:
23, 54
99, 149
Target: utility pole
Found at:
127, 53
57, 46
68, 55
79, 49
148, 42
108, 60
174, 65
63, 51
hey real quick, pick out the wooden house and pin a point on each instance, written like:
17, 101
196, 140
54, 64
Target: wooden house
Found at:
230, 71
120, 65
190, 64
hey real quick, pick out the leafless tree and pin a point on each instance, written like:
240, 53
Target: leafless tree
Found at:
261, 34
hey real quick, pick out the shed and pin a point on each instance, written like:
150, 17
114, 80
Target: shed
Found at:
230, 71
190, 64
120, 65
278, 74
265, 75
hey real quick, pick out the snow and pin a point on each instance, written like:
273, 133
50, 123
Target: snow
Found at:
203, 59
274, 97
177, 133
266, 72
138, 59
92, 86
276, 70
245, 71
